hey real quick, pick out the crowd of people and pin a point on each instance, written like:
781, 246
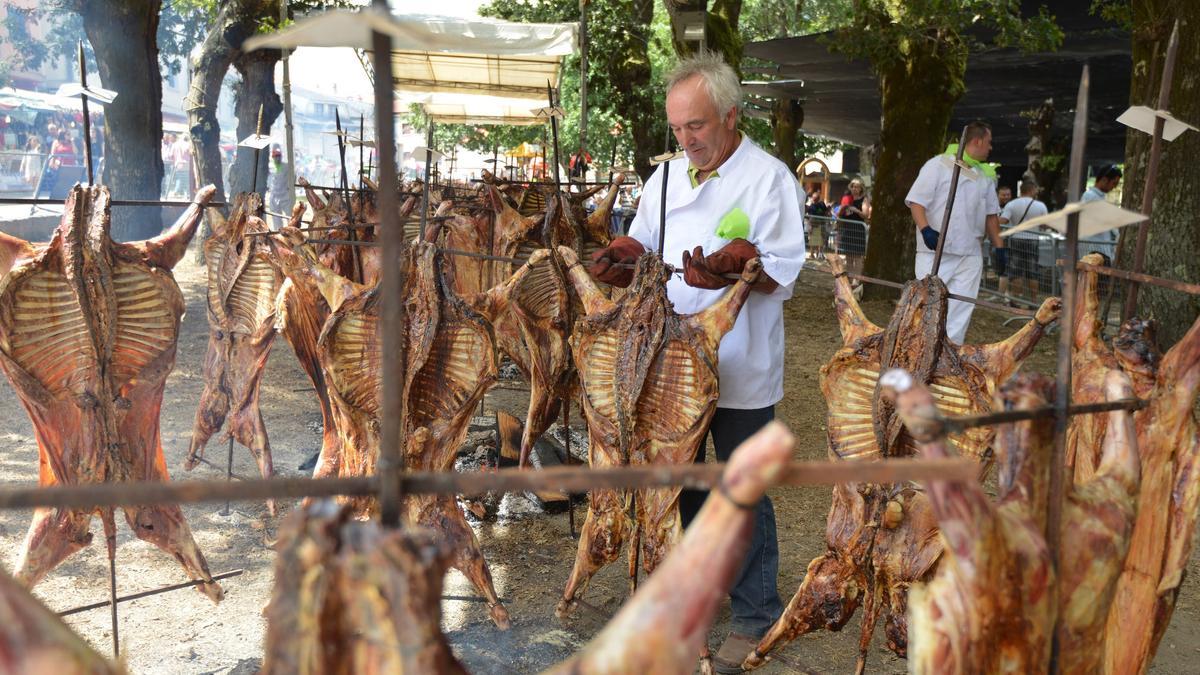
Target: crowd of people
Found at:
52, 145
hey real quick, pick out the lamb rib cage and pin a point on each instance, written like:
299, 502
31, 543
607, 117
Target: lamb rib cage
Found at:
242, 288
88, 331
883, 538
649, 379
451, 364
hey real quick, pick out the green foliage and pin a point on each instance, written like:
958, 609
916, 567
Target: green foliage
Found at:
889, 33
64, 30
1119, 12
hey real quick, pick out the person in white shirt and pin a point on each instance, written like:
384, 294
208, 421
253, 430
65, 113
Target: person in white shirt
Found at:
1023, 246
1107, 179
728, 202
976, 211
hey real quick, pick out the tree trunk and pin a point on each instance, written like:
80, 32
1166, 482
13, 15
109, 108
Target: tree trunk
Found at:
635, 99
123, 38
1174, 230
720, 28
787, 116
917, 95
256, 91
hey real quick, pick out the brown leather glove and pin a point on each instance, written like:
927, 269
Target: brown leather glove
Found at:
700, 271
624, 250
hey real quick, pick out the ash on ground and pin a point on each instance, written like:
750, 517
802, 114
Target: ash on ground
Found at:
579, 441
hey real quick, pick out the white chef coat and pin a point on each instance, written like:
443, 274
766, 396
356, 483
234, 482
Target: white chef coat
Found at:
973, 203
751, 354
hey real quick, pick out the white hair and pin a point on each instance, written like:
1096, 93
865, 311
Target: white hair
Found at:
720, 81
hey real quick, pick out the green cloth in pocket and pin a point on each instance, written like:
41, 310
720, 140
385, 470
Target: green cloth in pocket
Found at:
734, 225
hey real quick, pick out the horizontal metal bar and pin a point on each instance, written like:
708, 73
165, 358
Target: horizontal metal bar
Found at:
206, 462
351, 189
113, 202
347, 242
561, 479
957, 424
953, 296
1182, 286
539, 182
146, 594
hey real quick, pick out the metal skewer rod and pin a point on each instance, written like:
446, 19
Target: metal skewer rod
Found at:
355, 261
1143, 232
425, 183
228, 472
959, 424
953, 296
394, 317
87, 118
1062, 398
258, 131
553, 479
112, 202
147, 594
1181, 286
954, 174
330, 188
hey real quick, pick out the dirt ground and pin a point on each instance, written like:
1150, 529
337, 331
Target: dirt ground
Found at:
530, 552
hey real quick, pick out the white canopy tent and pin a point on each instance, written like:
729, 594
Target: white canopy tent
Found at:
448, 60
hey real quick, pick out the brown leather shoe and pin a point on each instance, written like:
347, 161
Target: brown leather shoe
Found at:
733, 651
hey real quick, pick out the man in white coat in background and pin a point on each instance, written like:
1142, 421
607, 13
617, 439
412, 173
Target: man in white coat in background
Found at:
976, 212
728, 202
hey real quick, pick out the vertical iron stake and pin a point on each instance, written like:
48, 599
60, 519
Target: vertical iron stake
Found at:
1143, 232
425, 186
258, 131
954, 174
1062, 398
391, 235
228, 471
87, 118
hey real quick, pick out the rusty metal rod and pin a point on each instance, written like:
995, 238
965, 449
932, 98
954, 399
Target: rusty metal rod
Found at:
958, 424
112, 202
1181, 286
394, 315
502, 182
233, 474
1143, 232
953, 296
87, 118
146, 594
560, 479
413, 193
954, 174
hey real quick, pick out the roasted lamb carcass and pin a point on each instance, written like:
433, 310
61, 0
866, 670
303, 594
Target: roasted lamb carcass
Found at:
450, 364
242, 287
34, 640
649, 380
1169, 499
88, 330
663, 626
351, 597
988, 608
882, 538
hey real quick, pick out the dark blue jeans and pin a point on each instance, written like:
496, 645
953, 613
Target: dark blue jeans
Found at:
754, 600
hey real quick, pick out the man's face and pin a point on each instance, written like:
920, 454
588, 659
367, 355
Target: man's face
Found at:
1004, 195
980, 148
707, 135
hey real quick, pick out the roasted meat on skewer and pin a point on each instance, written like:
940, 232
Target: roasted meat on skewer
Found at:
665, 624
450, 364
34, 640
993, 605
242, 287
351, 597
882, 538
649, 380
88, 331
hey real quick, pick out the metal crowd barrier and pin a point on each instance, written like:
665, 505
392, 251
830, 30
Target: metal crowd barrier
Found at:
1033, 271
20, 171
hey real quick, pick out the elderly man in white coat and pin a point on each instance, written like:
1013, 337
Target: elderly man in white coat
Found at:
728, 202
976, 212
